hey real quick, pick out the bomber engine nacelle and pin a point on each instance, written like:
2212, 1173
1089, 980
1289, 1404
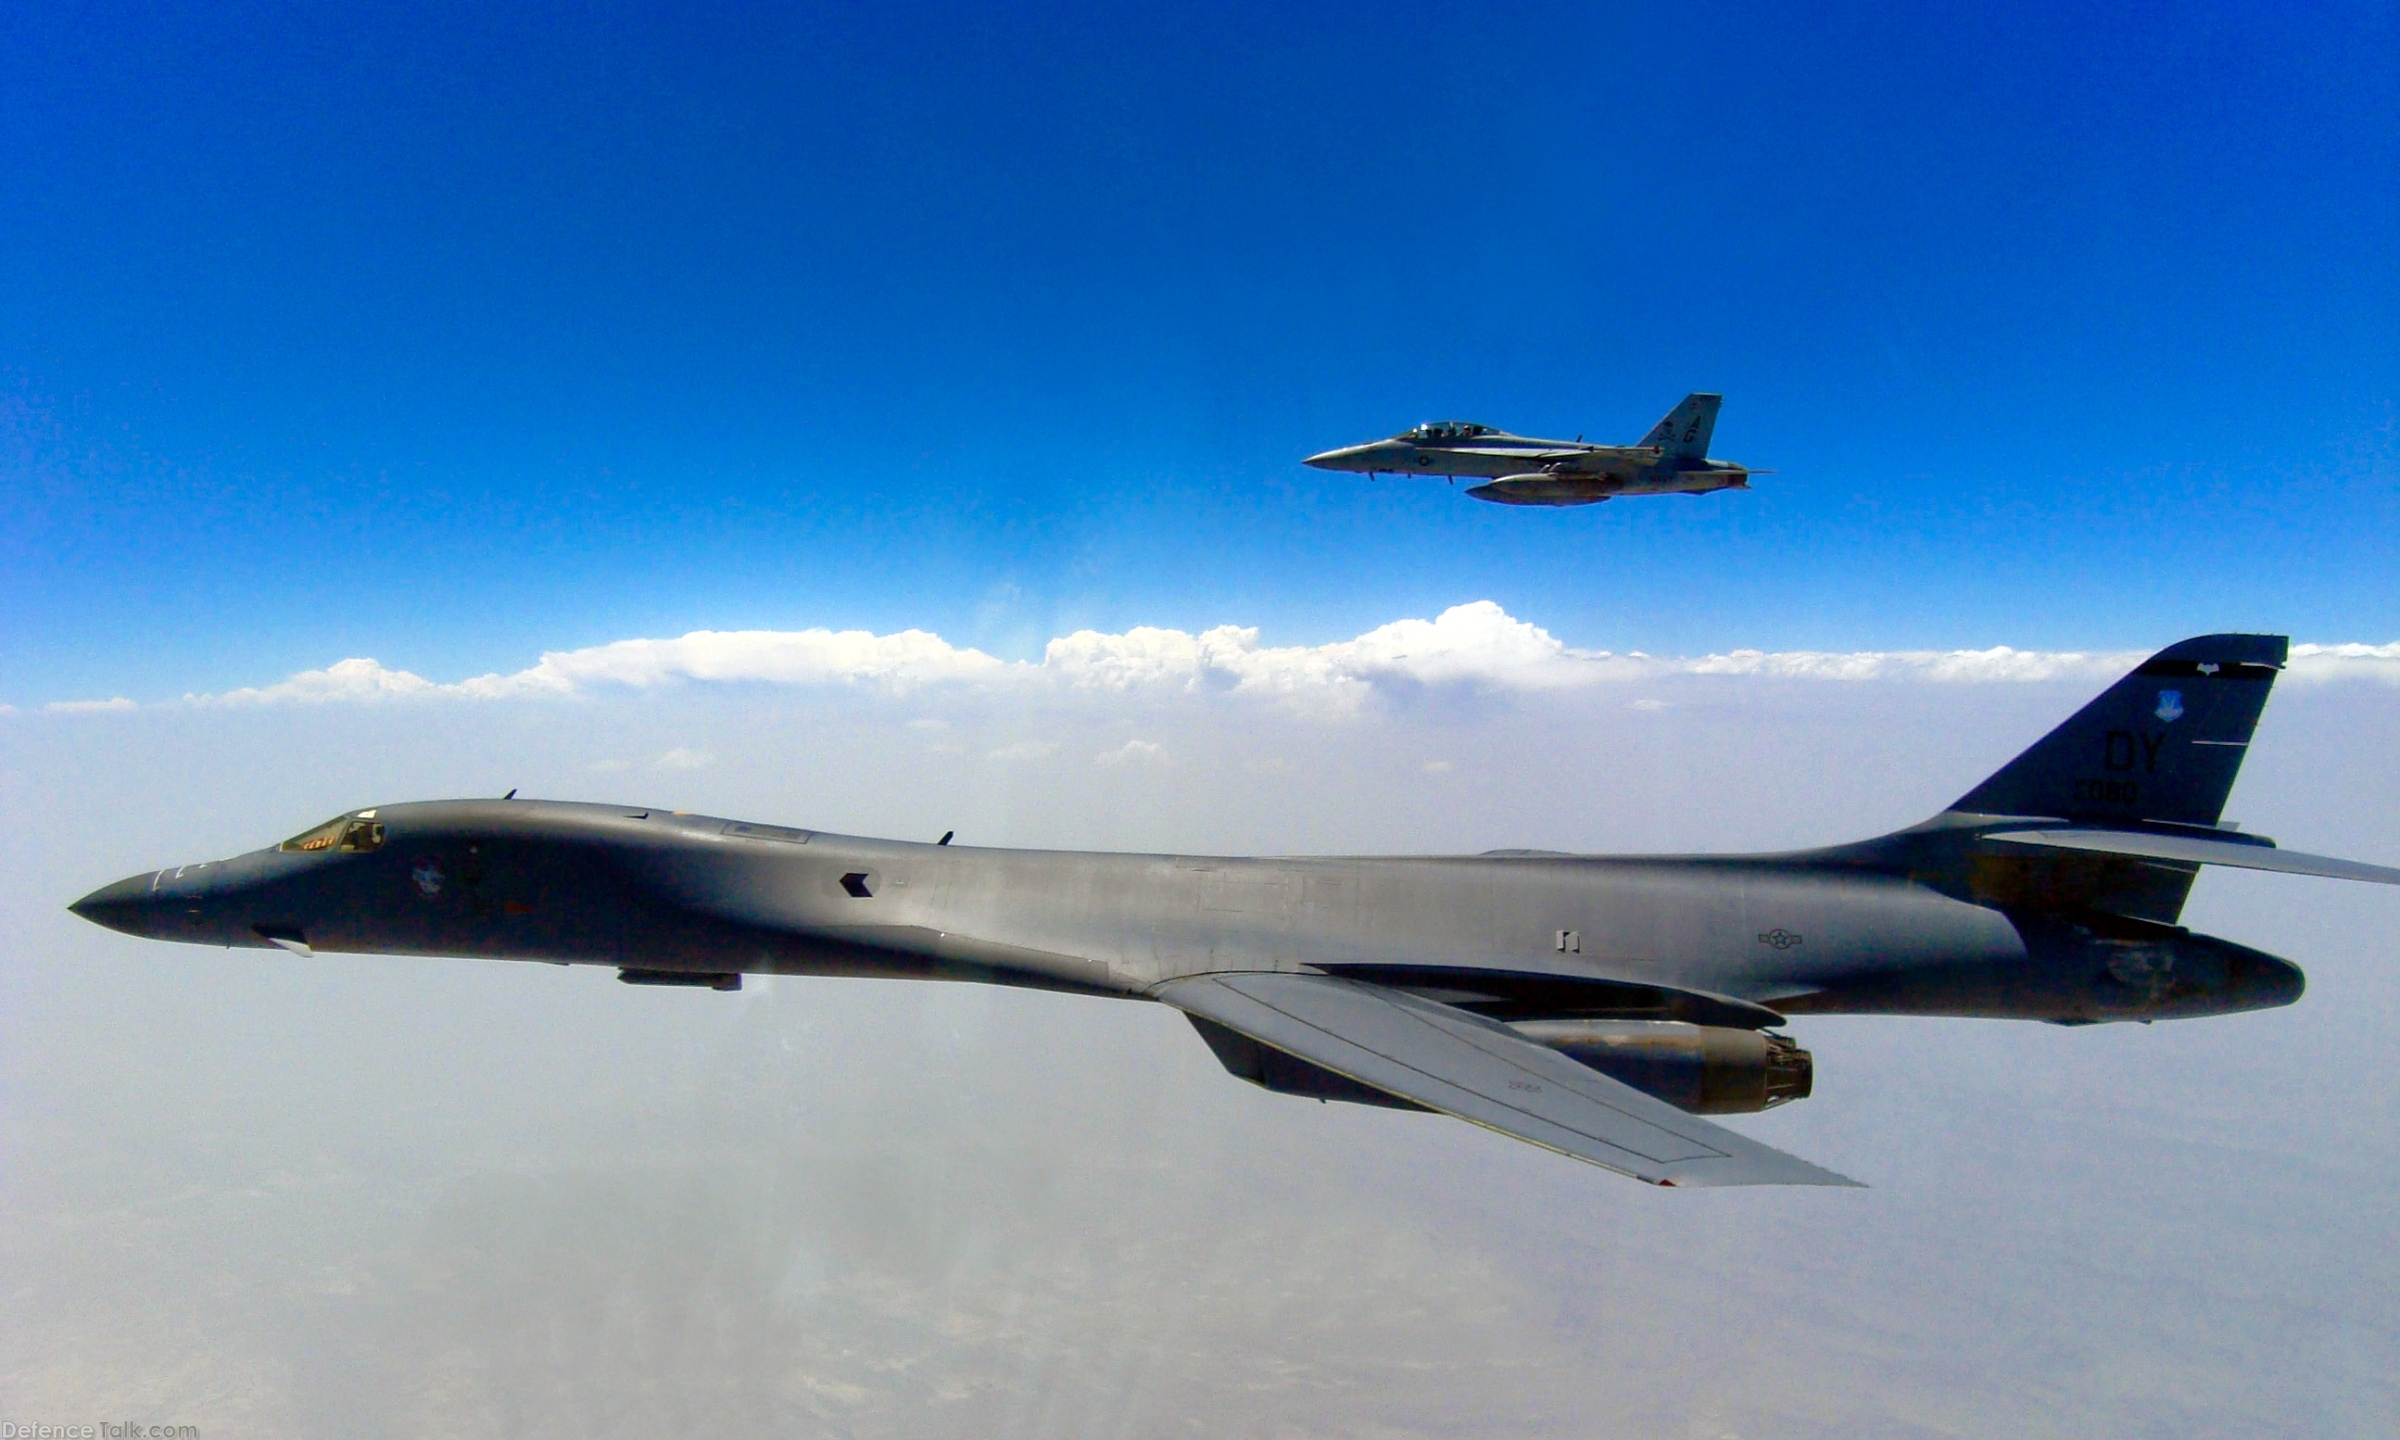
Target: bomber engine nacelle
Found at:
1705, 1069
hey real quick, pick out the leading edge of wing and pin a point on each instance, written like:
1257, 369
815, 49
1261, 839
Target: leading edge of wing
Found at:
2200, 850
1477, 1070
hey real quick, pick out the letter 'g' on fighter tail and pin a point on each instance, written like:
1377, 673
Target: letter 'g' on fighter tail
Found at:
2163, 744
1684, 434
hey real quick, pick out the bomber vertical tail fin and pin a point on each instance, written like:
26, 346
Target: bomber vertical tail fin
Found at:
2103, 823
2148, 763
2161, 745
1685, 432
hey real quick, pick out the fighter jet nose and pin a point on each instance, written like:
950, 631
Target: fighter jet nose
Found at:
126, 905
1348, 457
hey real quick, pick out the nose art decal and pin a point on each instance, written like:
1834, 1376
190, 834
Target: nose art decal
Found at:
428, 876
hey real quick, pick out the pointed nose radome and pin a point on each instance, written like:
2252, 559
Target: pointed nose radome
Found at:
1348, 457
125, 906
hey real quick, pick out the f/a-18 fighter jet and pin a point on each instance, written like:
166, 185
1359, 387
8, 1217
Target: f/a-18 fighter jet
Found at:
1671, 460
1597, 1005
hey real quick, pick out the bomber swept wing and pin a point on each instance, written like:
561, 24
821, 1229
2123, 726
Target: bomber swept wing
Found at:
1475, 1069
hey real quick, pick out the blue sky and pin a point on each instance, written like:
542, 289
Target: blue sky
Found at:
447, 336
452, 336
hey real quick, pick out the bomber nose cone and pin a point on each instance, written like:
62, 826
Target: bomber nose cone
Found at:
126, 905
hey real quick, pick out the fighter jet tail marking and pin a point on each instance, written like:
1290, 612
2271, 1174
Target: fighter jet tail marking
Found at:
1685, 431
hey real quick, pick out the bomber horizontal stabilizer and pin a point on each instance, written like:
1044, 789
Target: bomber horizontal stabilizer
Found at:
2200, 850
1475, 1069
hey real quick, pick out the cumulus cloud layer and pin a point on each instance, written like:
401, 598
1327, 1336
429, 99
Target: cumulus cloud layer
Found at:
89, 707
1477, 645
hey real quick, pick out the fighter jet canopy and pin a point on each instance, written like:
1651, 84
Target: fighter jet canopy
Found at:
1448, 430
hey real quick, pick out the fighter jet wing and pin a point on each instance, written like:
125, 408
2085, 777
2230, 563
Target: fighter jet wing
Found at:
1475, 1069
2200, 850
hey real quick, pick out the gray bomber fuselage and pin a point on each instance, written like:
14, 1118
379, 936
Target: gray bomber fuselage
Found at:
1595, 1005
1516, 936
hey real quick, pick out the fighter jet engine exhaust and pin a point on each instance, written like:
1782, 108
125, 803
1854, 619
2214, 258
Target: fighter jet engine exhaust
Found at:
1699, 1069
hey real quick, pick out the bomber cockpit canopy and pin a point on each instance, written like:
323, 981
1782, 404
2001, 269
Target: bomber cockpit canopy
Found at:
348, 833
1439, 430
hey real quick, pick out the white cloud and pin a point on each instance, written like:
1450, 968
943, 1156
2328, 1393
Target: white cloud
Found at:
1145, 752
2345, 662
89, 707
683, 758
356, 679
1437, 767
775, 657
1473, 646
1025, 750
1952, 666
1478, 643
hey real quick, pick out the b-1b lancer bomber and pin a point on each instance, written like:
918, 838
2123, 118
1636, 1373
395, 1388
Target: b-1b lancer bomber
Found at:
1671, 460
1596, 1005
